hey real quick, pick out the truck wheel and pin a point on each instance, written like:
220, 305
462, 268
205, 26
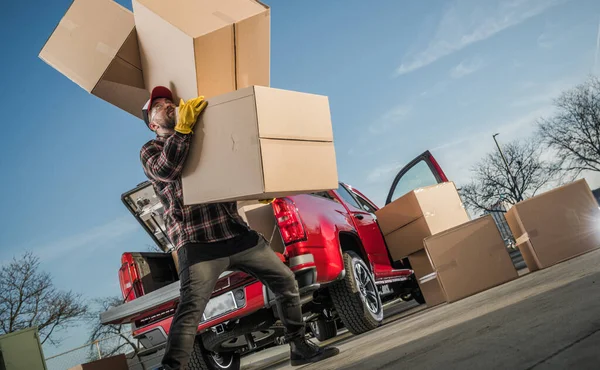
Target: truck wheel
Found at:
356, 298
202, 359
323, 329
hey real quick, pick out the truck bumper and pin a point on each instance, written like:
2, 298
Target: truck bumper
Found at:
248, 298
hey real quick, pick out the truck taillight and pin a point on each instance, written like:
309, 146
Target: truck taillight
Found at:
288, 220
129, 278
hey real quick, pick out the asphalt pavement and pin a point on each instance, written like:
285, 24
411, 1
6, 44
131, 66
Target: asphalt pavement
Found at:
548, 319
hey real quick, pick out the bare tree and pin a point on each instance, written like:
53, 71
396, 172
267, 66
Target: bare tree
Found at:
28, 298
574, 130
113, 338
492, 183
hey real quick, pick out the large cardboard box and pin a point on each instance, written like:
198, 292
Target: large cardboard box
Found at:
420, 213
258, 143
118, 362
557, 225
207, 47
470, 258
95, 45
428, 283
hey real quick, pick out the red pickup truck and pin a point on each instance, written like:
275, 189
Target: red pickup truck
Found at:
332, 243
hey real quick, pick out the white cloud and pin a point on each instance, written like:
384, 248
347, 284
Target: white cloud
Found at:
89, 240
391, 118
466, 67
467, 22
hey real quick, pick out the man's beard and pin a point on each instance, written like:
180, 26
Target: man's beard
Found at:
168, 122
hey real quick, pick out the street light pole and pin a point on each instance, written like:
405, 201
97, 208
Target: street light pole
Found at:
514, 180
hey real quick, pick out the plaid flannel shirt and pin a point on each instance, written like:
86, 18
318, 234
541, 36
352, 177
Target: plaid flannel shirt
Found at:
163, 159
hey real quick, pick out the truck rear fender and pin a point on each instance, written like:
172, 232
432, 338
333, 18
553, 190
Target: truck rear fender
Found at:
349, 241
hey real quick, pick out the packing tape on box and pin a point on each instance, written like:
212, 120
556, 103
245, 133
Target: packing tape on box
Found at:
428, 277
526, 237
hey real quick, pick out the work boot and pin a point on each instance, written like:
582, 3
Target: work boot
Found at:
304, 352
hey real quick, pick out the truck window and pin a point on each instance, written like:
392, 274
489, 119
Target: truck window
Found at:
418, 176
364, 204
345, 194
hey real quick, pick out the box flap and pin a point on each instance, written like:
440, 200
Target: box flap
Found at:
215, 62
199, 17
253, 51
167, 53
87, 39
130, 51
284, 114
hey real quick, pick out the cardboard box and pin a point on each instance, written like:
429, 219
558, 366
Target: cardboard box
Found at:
258, 143
428, 283
95, 45
557, 225
261, 218
207, 47
432, 291
418, 214
118, 362
420, 264
470, 258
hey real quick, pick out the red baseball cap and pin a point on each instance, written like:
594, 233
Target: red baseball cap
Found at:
157, 92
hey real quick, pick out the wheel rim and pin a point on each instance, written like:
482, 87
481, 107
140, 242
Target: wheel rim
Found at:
366, 288
314, 327
223, 361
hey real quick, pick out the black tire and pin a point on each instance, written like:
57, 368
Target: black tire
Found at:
350, 300
202, 359
323, 329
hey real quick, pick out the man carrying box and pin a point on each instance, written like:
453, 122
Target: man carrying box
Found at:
210, 238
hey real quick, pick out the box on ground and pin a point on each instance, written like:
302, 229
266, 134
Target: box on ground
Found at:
95, 45
258, 143
432, 290
470, 258
428, 283
207, 48
420, 213
118, 362
557, 225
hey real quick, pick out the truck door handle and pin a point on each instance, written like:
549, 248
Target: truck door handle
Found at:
360, 217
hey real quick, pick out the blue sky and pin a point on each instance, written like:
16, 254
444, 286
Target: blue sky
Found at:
402, 77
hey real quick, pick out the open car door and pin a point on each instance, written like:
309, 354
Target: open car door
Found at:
421, 171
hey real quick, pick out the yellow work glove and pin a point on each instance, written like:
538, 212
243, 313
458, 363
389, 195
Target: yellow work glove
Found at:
266, 201
188, 114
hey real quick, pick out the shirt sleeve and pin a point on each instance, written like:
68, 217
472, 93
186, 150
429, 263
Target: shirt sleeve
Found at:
166, 164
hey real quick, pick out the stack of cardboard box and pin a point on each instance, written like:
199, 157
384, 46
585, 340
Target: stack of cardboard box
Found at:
252, 141
451, 256
454, 258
